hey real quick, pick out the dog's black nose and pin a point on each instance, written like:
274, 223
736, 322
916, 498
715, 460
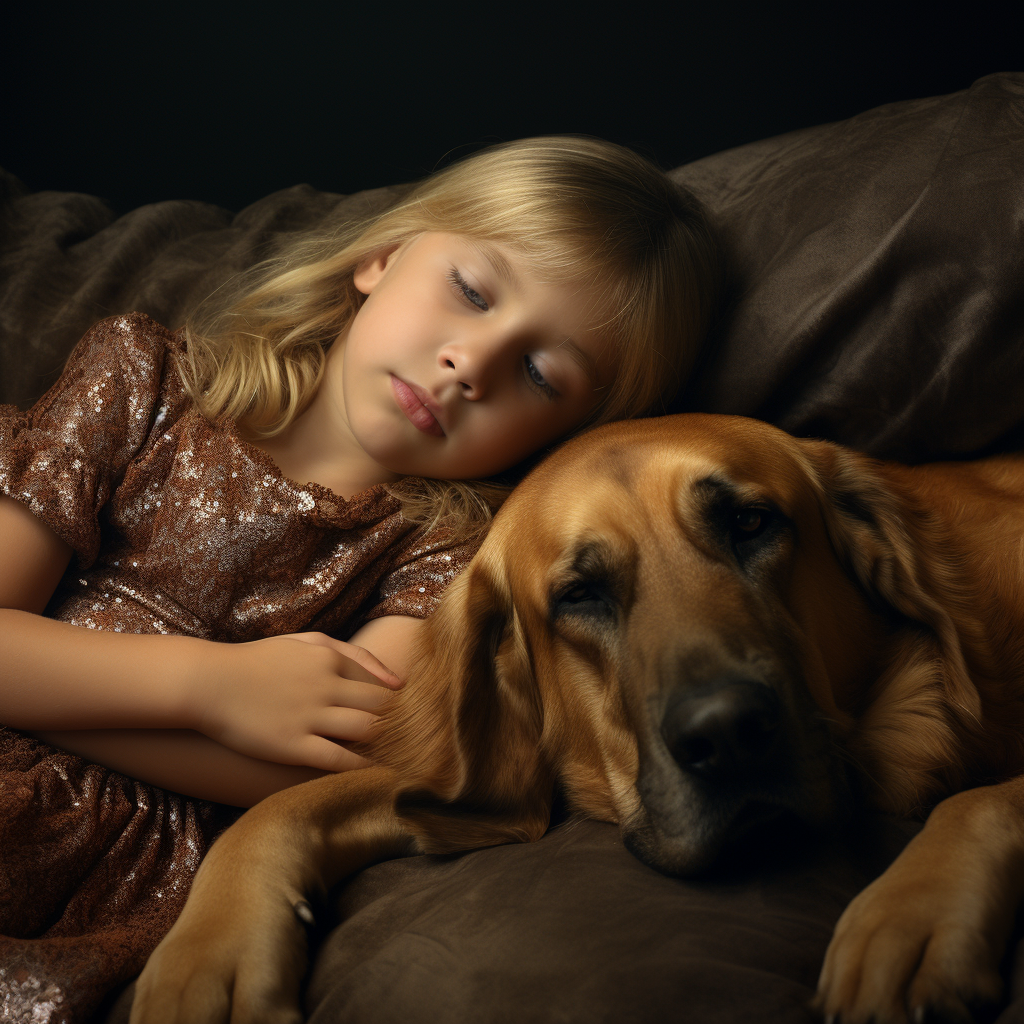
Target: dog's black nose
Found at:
723, 731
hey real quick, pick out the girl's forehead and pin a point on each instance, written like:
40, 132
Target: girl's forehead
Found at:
507, 263
550, 264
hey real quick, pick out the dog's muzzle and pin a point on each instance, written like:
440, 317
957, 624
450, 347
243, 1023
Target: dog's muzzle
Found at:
718, 760
725, 731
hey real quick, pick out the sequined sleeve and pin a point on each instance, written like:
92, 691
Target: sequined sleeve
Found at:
65, 456
422, 572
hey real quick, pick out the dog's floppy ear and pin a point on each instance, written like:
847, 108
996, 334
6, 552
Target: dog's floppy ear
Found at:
464, 733
893, 547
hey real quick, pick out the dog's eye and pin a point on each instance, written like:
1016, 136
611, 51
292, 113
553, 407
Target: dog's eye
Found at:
753, 526
750, 521
583, 598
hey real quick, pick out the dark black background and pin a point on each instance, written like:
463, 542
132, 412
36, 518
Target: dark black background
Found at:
226, 102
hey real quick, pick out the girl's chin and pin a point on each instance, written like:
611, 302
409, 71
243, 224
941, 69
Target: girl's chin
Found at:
393, 465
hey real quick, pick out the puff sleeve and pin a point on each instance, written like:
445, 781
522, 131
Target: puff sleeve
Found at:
65, 456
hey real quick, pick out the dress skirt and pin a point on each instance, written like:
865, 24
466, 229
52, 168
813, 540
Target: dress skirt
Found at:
96, 868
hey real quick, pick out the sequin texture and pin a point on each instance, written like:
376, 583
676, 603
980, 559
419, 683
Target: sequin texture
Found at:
177, 526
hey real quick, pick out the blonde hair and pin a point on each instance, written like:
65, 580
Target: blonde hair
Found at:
579, 210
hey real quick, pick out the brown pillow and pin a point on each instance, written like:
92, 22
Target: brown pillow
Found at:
876, 276
67, 261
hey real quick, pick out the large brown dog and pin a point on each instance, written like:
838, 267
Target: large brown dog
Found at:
691, 625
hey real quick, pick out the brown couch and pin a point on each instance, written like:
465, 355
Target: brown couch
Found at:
876, 298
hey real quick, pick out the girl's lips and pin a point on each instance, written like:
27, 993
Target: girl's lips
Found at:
412, 405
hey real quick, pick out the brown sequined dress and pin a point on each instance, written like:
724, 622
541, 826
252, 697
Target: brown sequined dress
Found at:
178, 527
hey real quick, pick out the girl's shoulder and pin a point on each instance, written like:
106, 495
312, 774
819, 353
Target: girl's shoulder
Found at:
122, 370
65, 456
132, 343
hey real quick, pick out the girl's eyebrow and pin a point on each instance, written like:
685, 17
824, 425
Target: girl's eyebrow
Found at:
499, 264
583, 359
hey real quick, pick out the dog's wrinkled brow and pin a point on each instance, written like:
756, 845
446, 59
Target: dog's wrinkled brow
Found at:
585, 560
714, 491
592, 559
589, 559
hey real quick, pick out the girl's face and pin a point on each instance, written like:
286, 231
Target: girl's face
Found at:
461, 362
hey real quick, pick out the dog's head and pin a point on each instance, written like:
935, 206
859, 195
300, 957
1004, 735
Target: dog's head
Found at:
674, 618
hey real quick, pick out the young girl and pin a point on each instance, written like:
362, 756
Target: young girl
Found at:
192, 521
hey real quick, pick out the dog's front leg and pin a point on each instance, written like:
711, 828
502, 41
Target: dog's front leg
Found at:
925, 940
238, 951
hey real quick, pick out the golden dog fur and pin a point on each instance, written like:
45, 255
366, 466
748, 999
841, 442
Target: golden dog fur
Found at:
689, 625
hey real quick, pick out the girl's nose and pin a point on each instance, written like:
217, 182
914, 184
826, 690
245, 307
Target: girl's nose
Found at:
474, 364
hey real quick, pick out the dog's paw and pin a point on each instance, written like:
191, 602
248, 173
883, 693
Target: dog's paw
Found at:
908, 951
211, 970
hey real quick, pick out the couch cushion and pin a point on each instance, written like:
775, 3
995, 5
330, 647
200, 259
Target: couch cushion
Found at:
574, 930
875, 277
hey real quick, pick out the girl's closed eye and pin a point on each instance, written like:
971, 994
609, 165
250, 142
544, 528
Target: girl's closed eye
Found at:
465, 292
536, 379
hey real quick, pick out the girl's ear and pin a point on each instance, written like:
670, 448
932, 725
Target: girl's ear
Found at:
369, 273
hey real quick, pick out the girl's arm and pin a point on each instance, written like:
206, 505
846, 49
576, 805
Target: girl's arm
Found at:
191, 763
184, 761
267, 710
62, 676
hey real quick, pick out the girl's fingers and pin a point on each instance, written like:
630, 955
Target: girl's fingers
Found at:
344, 724
373, 665
353, 693
379, 673
360, 656
328, 756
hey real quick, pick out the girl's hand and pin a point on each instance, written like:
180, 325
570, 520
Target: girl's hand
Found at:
292, 699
